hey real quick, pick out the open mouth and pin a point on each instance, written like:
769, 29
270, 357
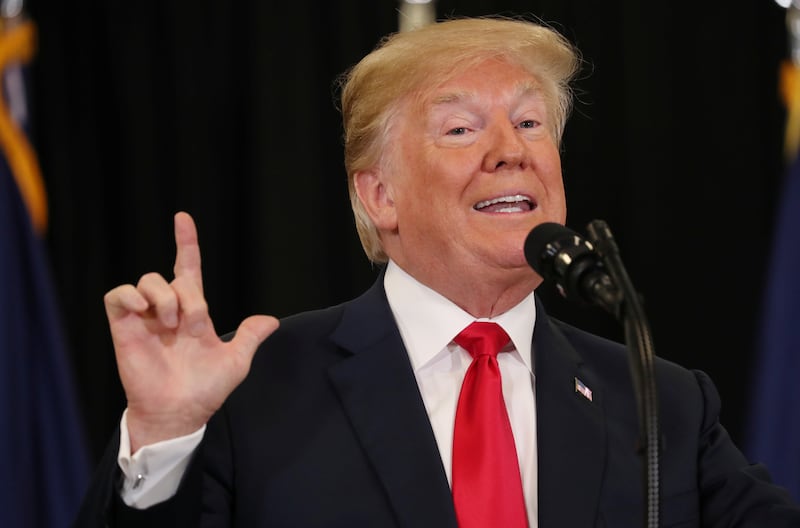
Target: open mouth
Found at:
517, 203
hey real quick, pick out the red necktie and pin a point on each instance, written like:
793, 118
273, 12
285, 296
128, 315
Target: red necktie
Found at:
487, 488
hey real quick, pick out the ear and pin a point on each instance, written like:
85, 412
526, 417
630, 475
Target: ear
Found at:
376, 196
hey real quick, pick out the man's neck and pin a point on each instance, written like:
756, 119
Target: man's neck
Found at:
486, 296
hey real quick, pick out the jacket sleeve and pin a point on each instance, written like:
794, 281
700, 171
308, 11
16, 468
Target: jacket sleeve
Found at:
102, 506
733, 491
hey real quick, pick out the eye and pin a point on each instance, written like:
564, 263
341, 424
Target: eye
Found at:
457, 131
529, 123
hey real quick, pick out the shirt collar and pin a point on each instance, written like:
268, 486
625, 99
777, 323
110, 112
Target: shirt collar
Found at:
416, 307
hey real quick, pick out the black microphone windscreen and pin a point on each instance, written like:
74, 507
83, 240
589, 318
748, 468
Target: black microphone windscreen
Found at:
537, 241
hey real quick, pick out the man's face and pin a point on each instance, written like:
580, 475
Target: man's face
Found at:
473, 167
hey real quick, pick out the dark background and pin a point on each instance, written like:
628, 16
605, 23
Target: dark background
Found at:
226, 110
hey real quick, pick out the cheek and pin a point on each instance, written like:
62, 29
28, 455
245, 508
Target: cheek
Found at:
549, 170
452, 170
555, 183
550, 156
435, 178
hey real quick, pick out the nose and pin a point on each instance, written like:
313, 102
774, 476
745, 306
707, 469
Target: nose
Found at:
506, 149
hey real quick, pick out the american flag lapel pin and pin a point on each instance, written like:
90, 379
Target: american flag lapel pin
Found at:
583, 389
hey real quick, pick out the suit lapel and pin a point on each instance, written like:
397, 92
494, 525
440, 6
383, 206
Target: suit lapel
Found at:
571, 432
380, 395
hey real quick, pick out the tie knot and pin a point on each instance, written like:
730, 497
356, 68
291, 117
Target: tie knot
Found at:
482, 338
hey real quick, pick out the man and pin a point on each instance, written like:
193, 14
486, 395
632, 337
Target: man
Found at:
352, 416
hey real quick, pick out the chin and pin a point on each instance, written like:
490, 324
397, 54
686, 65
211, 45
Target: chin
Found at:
515, 261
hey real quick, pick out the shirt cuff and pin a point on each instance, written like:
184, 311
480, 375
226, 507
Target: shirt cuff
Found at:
154, 472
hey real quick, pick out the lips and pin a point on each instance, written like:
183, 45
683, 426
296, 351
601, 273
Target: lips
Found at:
517, 203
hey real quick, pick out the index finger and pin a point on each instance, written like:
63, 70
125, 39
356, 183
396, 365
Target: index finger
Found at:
187, 255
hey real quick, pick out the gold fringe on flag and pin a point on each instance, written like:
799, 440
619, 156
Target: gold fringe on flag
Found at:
17, 45
790, 93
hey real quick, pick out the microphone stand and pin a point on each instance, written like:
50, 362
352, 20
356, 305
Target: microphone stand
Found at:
641, 356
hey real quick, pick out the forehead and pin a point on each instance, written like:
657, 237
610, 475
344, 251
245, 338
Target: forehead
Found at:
484, 82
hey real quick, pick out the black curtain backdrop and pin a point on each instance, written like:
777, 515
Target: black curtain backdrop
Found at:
226, 110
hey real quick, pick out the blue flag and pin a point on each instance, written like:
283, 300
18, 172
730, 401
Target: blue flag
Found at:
44, 464
773, 435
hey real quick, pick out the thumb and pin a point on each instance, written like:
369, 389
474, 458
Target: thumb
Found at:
251, 333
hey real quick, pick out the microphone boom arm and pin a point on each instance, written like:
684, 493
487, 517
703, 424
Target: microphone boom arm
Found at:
641, 355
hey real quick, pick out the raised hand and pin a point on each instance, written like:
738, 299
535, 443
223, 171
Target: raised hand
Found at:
175, 370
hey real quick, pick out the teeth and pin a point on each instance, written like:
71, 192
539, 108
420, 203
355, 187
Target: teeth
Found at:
503, 199
510, 209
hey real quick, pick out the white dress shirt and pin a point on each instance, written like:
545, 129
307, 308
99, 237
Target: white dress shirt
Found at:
428, 322
153, 473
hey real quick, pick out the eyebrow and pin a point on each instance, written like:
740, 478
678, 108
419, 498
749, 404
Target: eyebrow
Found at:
524, 89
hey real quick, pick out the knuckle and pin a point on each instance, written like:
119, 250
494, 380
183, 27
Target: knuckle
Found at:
148, 279
196, 309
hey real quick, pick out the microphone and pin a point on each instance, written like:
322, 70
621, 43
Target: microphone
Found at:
597, 276
562, 256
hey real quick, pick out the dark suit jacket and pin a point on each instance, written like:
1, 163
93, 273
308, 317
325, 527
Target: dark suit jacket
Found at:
329, 430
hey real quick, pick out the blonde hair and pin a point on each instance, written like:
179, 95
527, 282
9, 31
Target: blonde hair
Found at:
409, 62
